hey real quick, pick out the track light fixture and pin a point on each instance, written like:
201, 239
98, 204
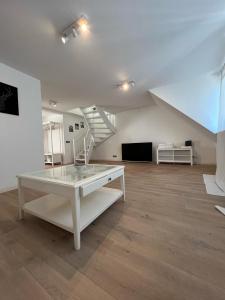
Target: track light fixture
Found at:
126, 85
76, 28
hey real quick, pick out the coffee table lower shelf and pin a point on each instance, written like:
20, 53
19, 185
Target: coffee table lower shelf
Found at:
57, 210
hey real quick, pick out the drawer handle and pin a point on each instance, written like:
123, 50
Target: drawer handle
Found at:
109, 179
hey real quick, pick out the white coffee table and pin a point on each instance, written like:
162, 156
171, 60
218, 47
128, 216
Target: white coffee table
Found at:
75, 196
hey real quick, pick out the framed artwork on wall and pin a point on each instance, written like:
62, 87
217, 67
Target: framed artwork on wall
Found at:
77, 126
81, 124
9, 99
71, 128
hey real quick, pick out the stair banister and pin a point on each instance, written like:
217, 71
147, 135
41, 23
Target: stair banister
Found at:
96, 134
106, 120
74, 151
85, 151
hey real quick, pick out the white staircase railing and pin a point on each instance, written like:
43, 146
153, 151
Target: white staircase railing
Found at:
88, 146
82, 148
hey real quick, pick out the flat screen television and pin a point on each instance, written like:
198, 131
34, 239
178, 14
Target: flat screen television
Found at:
137, 152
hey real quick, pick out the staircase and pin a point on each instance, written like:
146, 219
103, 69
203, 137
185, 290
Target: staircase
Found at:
100, 127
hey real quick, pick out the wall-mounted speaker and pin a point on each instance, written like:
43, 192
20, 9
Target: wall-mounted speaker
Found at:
188, 143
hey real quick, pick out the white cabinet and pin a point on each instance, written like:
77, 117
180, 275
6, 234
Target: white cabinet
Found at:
175, 155
53, 158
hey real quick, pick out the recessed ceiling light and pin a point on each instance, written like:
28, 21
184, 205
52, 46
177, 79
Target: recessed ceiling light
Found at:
126, 85
52, 103
79, 26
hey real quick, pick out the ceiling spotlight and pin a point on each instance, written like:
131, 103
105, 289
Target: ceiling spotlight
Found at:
52, 103
79, 26
126, 85
82, 23
65, 39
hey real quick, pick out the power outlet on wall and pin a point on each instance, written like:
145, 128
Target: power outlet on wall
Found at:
114, 156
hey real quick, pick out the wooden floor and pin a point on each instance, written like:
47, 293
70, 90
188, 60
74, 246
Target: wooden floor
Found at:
166, 242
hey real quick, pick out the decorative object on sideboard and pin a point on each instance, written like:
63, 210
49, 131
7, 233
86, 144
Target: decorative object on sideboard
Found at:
188, 143
9, 99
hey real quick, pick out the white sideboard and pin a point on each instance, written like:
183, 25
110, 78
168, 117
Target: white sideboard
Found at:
175, 155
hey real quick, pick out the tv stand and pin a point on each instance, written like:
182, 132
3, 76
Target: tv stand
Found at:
175, 155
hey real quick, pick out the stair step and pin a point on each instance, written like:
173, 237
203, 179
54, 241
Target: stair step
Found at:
90, 109
92, 118
101, 135
91, 113
100, 126
92, 123
80, 159
99, 140
101, 130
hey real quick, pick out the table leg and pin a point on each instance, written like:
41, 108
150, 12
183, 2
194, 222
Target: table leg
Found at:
122, 186
21, 199
76, 218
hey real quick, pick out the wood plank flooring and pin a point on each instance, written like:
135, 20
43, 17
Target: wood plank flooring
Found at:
166, 242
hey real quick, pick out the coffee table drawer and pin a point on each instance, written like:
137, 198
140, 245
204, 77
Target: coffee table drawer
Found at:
93, 186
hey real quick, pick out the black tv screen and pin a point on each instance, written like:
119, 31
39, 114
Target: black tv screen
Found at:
137, 151
8, 99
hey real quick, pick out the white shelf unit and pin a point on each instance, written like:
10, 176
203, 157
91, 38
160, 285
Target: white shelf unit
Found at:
52, 155
53, 158
175, 155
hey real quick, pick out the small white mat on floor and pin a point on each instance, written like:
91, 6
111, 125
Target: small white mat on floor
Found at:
211, 186
220, 208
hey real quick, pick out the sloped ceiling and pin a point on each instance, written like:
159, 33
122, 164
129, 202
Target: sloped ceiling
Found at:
198, 98
154, 42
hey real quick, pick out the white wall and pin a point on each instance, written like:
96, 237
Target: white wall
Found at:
21, 141
220, 158
220, 149
197, 98
158, 123
51, 116
221, 121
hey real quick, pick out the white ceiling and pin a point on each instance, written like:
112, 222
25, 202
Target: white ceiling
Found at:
154, 42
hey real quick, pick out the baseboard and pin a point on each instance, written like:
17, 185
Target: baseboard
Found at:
7, 189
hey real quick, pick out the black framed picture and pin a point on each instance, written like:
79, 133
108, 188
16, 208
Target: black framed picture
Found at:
9, 99
71, 128
77, 126
81, 124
